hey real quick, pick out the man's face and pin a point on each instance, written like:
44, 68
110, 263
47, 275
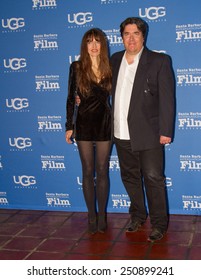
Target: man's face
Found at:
133, 39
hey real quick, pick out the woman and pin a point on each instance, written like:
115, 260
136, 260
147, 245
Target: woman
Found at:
90, 79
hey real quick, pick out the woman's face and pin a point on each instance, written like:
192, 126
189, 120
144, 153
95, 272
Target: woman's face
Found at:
93, 47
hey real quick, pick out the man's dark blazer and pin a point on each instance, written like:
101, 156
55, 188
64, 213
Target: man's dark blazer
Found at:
152, 104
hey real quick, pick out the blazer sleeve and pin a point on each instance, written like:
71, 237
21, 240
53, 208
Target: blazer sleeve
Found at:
70, 103
166, 84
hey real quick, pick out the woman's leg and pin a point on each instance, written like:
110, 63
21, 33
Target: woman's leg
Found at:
86, 151
102, 180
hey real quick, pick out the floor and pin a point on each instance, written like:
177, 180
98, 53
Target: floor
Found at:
45, 235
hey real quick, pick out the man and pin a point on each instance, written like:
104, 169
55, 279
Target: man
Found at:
143, 119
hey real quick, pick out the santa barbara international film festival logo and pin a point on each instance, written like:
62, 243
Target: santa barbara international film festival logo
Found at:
24, 181
156, 14
190, 163
53, 163
113, 36
81, 19
45, 42
191, 202
58, 200
15, 64
13, 25
114, 163
22, 144
49, 124
120, 201
47, 83
189, 77
44, 4
188, 33
189, 120
17, 104
3, 198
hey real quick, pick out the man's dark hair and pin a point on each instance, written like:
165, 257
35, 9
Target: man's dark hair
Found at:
141, 25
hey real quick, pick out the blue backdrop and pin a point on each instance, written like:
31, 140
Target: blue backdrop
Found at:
39, 39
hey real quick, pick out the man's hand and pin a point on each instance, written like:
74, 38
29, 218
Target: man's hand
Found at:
165, 140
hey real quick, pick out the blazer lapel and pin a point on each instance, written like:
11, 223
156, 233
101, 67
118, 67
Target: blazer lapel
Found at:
139, 80
141, 72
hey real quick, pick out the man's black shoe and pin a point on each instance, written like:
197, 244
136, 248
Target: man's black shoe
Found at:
133, 226
155, 235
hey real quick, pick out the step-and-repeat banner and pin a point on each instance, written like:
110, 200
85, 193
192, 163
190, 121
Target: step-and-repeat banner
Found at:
38, 41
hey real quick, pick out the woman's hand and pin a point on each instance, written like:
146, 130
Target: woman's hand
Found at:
77, 100
68, 136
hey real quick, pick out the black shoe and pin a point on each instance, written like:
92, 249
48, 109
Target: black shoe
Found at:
92, 227
102, 223
92, 224
134, 226
155, 235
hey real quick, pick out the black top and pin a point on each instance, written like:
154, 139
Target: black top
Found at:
93, 122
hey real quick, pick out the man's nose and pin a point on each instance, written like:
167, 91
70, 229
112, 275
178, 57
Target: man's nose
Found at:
131, 36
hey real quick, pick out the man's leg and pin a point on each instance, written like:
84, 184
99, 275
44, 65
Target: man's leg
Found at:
132, 179
152, 164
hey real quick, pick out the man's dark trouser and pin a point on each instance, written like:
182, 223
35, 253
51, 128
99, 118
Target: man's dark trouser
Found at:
136, 168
